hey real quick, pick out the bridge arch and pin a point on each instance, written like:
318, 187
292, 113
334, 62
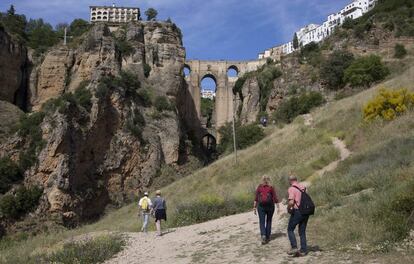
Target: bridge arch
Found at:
232, 71
224, 104
186, 70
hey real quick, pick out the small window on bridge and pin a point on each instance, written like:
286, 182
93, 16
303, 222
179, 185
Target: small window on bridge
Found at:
186, 71
232, 72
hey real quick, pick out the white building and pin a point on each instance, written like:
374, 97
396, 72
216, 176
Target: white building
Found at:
114, 14
317, 33
208, 94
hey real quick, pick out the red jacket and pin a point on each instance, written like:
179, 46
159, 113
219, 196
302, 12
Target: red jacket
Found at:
266, 188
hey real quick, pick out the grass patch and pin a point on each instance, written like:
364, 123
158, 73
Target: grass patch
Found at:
89, 252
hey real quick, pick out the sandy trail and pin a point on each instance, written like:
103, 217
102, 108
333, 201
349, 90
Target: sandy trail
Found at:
227, 240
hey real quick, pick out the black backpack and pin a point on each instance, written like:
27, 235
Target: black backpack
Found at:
306, 207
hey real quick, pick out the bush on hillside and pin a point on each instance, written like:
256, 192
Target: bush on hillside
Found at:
9, 174
135, 125
29, 128
162, 103
91, 251
78, 27
145, 96
333, 69
365, 70
399, 51
147, 70
246, 136
389, 104
80, 98
311, 54
14, 206
289, 109
210, 207
123, 46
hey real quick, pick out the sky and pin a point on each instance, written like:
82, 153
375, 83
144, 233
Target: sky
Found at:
212, 29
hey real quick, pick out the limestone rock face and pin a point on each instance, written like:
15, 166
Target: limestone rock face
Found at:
13, 75
91, 157
251, 101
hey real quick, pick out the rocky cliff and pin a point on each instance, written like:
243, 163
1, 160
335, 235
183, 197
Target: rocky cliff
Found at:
109, 149
13, 70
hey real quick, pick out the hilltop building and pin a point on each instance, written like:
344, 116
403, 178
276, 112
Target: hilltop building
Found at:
317, 33
114, 14
208, 94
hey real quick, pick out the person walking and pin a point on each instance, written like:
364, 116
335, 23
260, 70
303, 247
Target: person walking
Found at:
160, 211
295, 192
145, 205
264, 205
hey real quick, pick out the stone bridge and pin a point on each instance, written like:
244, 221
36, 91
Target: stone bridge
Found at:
218, 71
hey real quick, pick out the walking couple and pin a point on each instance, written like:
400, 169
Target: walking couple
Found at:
300, 207
157, 208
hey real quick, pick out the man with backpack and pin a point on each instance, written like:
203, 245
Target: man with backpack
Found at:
145, 205
300, 207
264, 205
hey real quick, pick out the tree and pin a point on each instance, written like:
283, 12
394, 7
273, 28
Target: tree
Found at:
151, 14
15, 24
399, 51
40, 34
365, 70
332, 70
295, 41
11, 11
78, 27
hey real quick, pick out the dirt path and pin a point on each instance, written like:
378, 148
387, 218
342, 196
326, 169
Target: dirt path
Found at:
227, 240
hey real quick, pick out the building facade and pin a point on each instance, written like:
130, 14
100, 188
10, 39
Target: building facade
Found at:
317, 33
208, 94
114, 14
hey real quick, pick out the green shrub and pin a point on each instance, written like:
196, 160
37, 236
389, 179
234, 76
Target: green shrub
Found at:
246, 136
135, 124
23, 201
147, 70
265, 77
91, 251
128, 82
399, 51
29, 128
365, 70
9, 174
207, 107
348, 23
145, 97
297, 105
78, 27
83, 96
333, 69
124, 46
162, 103
311, 54
389, 104
210, 207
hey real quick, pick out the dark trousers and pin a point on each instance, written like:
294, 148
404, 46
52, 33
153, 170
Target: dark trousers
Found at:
296, 218
265, 220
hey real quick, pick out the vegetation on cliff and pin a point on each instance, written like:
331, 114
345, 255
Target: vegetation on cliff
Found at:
36, 33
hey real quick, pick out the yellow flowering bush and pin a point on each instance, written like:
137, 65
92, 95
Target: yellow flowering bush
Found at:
388, 104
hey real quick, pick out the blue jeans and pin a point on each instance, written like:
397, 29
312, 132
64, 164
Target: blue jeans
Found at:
296, 218
265, 220
145, 219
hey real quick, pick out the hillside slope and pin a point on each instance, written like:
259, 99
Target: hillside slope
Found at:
373, 186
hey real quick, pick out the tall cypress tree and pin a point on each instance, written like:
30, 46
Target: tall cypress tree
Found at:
295, 41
